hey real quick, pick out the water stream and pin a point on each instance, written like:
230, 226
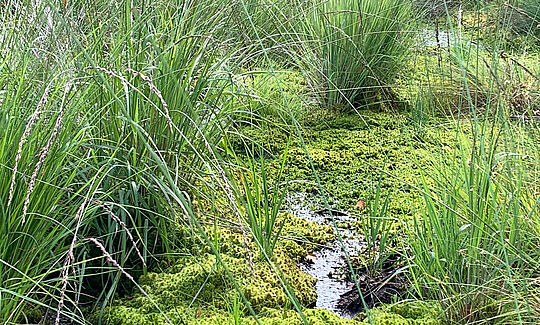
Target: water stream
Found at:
328, 264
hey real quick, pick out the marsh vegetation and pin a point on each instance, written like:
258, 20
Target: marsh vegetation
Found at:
269, 162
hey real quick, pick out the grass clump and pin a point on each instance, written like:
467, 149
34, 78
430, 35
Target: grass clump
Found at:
101, 142
477, 240
262, 205
360, 49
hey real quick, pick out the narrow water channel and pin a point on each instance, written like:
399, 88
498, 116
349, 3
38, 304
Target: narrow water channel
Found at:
328, 264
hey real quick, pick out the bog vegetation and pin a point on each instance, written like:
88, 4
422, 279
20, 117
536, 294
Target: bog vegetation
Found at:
150, 150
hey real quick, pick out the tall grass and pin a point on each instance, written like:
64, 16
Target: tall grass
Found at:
37, 211
359, 49
377, 230
105, 141
475, 249
261, 203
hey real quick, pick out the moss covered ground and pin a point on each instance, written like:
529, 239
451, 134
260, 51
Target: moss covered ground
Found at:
354, 155
349, 153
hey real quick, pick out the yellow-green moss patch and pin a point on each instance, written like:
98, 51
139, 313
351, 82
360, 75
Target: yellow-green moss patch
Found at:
406, 313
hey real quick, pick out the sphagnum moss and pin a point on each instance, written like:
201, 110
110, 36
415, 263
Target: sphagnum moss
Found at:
346, 160
202, 277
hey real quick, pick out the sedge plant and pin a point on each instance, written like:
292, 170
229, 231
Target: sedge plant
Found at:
261, 202
358, 49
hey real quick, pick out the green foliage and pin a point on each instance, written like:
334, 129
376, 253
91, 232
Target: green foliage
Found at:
261, 204
474, 249
360, 49
113, 131
377, 230
115, 118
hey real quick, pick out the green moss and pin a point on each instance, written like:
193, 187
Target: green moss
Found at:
328, 119
349, 164
306, 235
130, 316
406, 313
348, 160
199, 276
272, 139
419, 310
